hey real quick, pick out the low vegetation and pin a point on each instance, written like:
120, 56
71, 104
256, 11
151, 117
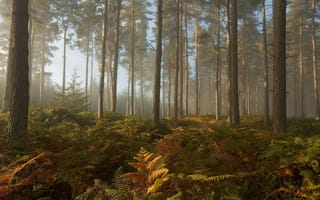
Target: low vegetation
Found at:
67, 155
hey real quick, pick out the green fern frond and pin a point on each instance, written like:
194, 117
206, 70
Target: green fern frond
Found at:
197, 177
310, 188
157, 184
219, 178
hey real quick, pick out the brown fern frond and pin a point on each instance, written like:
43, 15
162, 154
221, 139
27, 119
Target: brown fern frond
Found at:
138, 166
156, 174
152, 164
134, 177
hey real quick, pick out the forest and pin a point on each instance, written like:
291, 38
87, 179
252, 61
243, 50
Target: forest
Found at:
154, 99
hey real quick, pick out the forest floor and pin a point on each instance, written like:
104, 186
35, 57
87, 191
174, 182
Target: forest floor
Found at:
69, 156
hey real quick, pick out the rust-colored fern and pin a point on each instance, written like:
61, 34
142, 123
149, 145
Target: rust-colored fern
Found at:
150, 172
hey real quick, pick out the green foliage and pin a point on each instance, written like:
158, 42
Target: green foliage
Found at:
303, 126
75, 98
296, 166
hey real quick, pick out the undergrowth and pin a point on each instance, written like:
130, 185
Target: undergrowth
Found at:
129, 158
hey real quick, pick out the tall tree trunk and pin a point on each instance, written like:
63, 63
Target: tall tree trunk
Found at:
186, 96
65, 30
181, 61
87, 68
128, 94
170, 79
301, 69
266, 68
228, 47
31, 43
295, 83
244, 64
196, 39
235, 118
91, 70
314, 62
177, 63
279, 67
42, 71
116, 60
103, 61
218, 83
142, 94
157, 74
132, 58
109, 79
19, 83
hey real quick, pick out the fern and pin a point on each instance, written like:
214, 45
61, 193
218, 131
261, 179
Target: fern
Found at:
150, 173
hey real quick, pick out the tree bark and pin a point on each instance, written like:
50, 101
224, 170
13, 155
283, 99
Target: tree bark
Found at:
116, 60
132, 58
157, 74
176, 84
314, 63
279, 66
65, 30
218, 70
196, 39
266, 68
19, 79
103, 61
228, 47
301, 67
87, 67
186, 96
42, 71
181, 61
235, 118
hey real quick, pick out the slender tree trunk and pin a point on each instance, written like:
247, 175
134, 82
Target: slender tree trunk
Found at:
279, 67
244, 65
314, 63
295, 83
157, 74
116, 60
217, 94
266, 68
31, 43
19, 80
87, 68
186, 60
91, 70
228, 47
235, 118
65, 30
164, 84
196, 39
301, 69
109, 81
170, 80
177, 63
128, 94
103, 61
132, 58
181, 61
142, 95
42, 71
